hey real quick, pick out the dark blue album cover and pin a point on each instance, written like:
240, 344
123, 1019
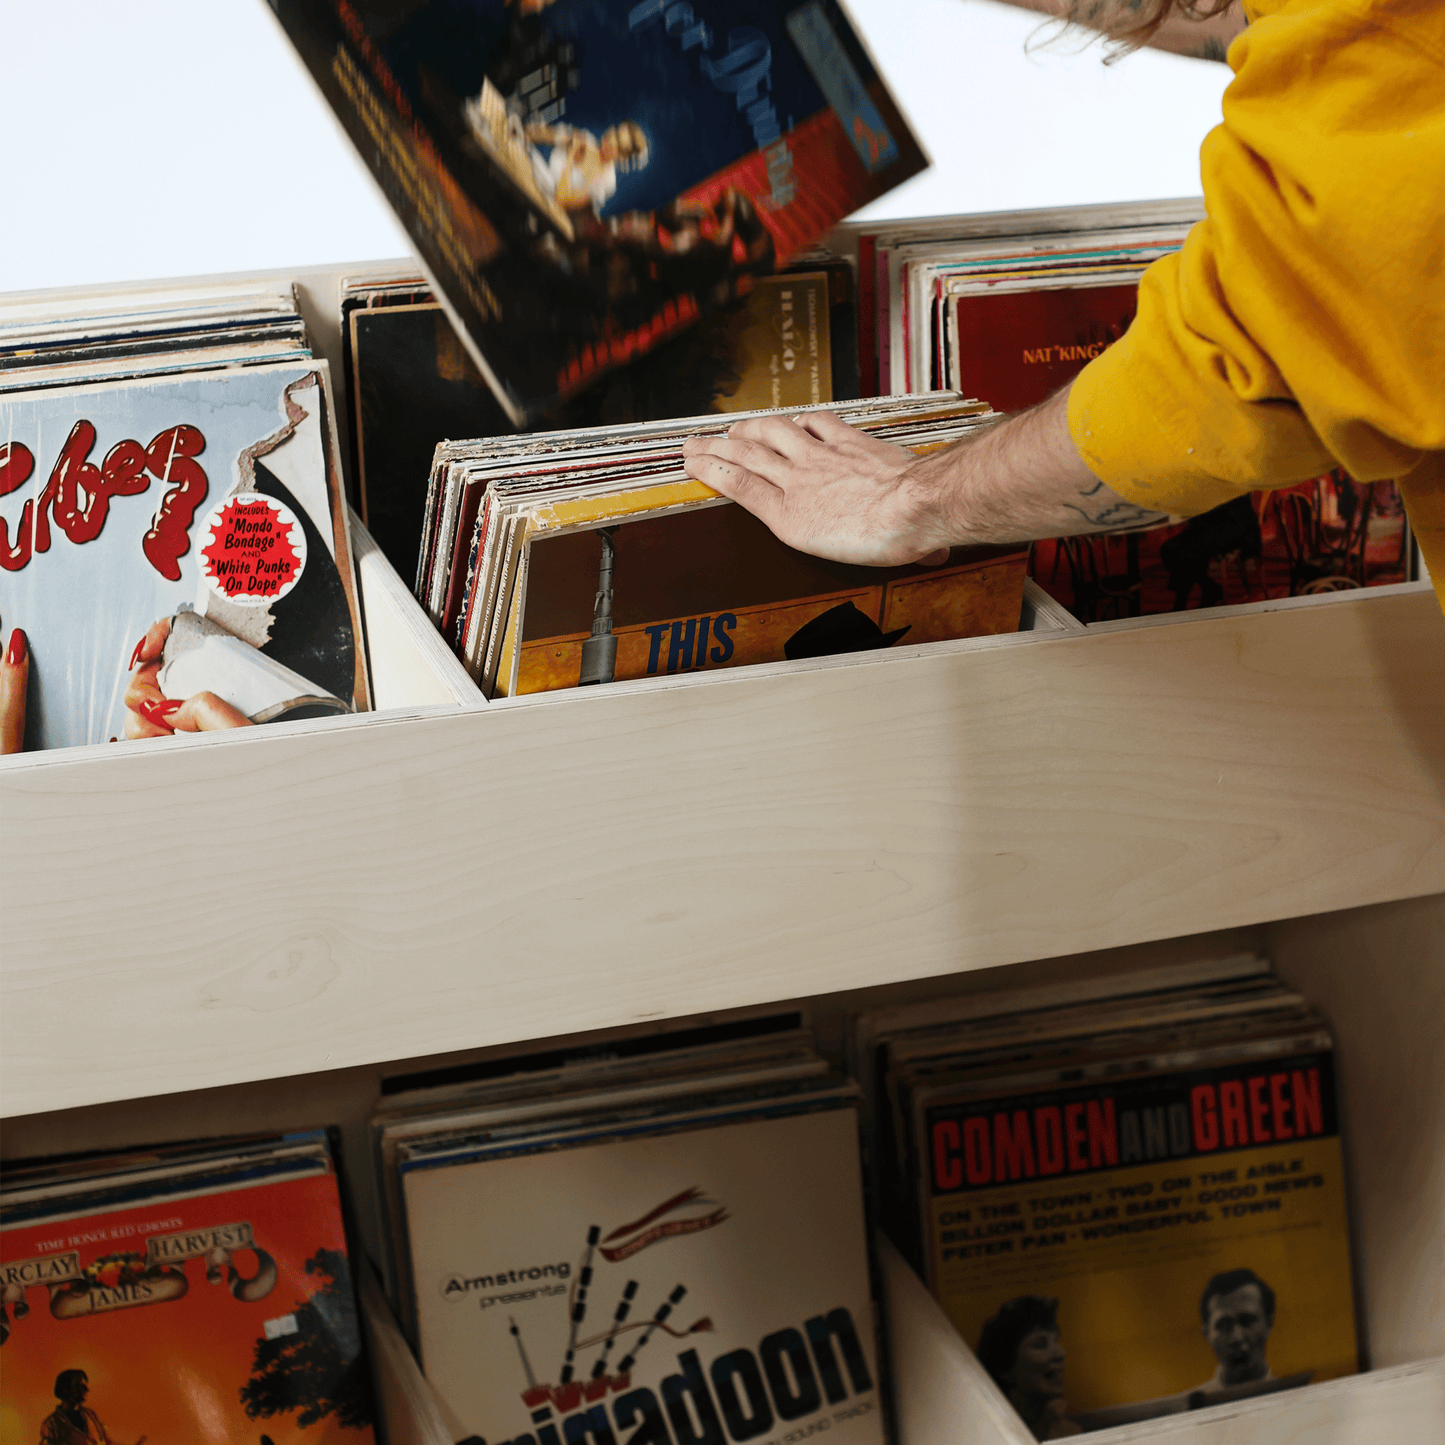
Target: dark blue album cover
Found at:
585, 178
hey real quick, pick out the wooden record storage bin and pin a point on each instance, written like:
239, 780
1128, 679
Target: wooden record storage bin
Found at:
251, 930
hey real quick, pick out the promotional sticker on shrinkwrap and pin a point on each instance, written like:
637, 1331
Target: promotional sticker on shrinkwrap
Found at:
253, 549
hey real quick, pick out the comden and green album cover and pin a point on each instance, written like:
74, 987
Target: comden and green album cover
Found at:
1123, 1249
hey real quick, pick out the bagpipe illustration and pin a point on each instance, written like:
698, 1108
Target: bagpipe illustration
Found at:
127, 1279
685, 1213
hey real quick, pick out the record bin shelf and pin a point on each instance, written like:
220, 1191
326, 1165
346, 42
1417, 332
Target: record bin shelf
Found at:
242, 931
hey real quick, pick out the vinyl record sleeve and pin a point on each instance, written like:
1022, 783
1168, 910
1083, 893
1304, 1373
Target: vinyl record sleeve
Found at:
181, 1315
413, 382
710, 1284
567, 1095
122, 504
710, 586
1123, 1202
560, 467
871, 1034
585, 178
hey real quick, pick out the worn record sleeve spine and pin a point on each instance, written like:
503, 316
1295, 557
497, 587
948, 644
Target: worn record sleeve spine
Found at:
867, 317
509, 553
361, 697
472, 610
459, 572
887, 341
479, 629
423, 558
442, 552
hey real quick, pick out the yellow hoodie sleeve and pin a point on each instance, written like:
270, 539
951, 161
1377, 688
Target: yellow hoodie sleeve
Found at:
1302, 325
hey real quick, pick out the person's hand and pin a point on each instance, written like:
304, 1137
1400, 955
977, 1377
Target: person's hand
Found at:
14, 677
151, 714
825, 488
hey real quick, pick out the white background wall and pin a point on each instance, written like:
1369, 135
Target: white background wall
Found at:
143, 138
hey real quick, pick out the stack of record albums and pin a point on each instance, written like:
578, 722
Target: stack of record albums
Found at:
200, 1292
1127, 1195
787, 340
665, 1247
1011, 307
169, 473
1132, 1204
558, 559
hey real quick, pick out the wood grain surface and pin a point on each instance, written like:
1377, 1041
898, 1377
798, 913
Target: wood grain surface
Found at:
298, 898
411, 665
1401, 1406
1379, 976
940, 1391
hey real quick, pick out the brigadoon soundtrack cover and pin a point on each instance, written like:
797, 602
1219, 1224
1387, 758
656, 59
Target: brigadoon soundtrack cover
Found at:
684, 1289
584, 178
1126, 1249
201, 514
227, 1316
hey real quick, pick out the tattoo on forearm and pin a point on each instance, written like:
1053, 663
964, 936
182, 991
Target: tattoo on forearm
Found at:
1111, 512
1211, 48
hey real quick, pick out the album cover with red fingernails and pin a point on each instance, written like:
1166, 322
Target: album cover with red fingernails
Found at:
174, 553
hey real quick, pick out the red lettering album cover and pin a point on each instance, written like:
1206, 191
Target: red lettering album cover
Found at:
1328, 534
199, 513
224, 1316
1121, 1248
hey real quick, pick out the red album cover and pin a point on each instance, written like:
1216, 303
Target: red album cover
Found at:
223, 1317
1017, 347
1326, 535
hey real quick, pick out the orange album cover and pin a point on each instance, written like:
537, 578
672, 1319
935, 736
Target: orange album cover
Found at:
712, 587
226, 1316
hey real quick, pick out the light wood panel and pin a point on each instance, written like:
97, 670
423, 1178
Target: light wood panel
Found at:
250, 906
1379, 975
408, 1410
940, 1392
1403, 1406
410, 663
346, 1097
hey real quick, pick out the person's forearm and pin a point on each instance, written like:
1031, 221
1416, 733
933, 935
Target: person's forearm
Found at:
827, 489
1024, 479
